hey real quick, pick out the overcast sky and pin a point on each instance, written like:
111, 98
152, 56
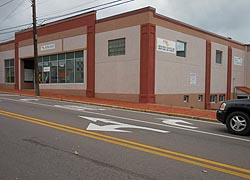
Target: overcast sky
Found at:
228, 18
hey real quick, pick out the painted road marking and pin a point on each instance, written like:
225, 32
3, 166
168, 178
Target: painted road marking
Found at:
217, 166
179, 123
79, 108
115, 126
10, 95
29, 99
175, 127
147, 122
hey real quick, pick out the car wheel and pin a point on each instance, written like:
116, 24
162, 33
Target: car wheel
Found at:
238, 123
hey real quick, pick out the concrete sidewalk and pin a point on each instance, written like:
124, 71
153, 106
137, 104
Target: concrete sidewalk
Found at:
154, 108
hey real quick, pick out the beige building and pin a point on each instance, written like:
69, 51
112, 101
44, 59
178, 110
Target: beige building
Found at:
138, 56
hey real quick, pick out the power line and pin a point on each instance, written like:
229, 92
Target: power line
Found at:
45, 19
114, 5
97, 8
12, 12
6, 3
80, 11
10, 38
62, 10
15, 27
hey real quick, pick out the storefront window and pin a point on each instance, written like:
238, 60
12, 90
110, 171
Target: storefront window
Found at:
79, 70
62, 68
46, 71
53, 71
9, 71
70, 74
61, 71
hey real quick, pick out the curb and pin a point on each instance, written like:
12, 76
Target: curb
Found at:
115, 106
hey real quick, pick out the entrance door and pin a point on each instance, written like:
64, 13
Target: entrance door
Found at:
27, 74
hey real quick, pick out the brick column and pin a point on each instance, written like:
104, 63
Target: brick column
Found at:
208, 75
90, 61
229, 73
147, 63
16, 66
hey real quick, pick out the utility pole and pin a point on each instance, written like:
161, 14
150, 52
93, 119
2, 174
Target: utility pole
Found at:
37, 90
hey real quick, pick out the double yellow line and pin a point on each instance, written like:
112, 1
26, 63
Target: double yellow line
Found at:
225, 168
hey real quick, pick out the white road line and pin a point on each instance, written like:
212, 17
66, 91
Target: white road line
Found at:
10, 95
130, 119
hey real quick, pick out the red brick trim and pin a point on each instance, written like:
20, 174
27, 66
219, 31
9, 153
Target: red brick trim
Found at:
127, 14
16, 66
229, 73
147, 63
90, 92
208, 75
199, 30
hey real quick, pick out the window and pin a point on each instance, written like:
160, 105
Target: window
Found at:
61, 71
181, 49
222, 97
200, 98
62, 68
186, 98
213, 98
218, 57
46, 70
79, 67
9, 70
70, 73
116, 47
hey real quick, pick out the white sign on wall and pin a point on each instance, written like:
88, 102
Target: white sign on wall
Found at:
167, 46
47, 47
238, 61
46, 69
193, 78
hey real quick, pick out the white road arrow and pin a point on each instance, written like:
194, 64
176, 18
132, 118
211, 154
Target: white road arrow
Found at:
115, 126
175, 122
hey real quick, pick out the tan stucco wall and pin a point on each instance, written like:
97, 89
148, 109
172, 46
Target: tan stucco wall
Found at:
172, 74
219, 71
238, 71
118, 74
75, 43
5, 55
67, 44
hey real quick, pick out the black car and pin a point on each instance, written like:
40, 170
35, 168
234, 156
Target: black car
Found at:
236, 115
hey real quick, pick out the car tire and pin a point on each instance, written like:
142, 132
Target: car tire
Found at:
238, 123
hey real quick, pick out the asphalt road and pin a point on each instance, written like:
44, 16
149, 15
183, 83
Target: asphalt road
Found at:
56, 140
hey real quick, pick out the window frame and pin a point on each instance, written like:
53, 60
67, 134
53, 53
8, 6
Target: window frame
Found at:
64, 59
222, 97
186, 98
200, 98
10, 65
185, 49
213, 98
117, 47
220, 53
